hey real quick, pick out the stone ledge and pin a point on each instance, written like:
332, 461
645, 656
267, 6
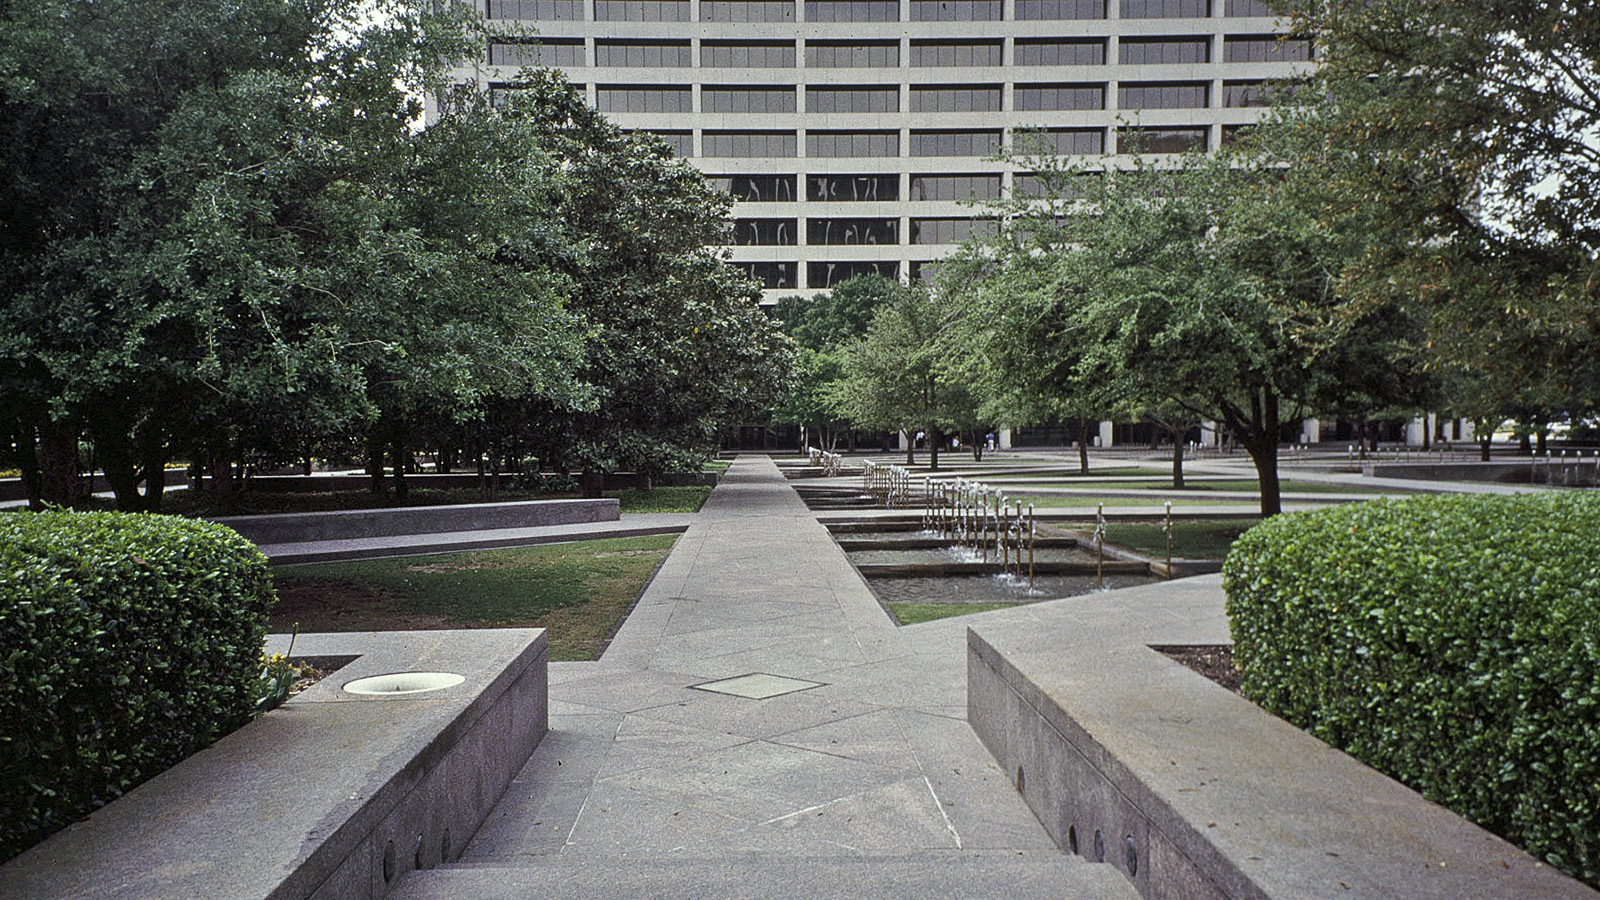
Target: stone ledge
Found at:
1194, 792
298, 528
330, 797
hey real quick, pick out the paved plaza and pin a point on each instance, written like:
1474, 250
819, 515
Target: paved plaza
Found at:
759, 727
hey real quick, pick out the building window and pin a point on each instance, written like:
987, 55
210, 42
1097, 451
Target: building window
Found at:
545, 10
852, 54
765, 232
852, 188
641, 10
681, 142
1231, 134
771, 274
828, 274
1061, 52
955, 10
1166, 9
957, 53
1060, 9
747, 54
970, 142
832, 231
852, 143
748, 144
1265, 48
1063, 141
955, 97
1248, 8
852, 10
1163, 95
756, 188
747, 10
1060, 96
1237, 94
955, 187
1161, 140
747, 99
949, 231
567, 53
639, 98
853, 99
1164, 51
643, 54
1065, 187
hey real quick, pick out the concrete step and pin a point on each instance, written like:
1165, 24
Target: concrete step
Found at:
947, 875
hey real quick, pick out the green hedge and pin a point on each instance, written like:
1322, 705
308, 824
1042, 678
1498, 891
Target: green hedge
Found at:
127, 642
1450, 642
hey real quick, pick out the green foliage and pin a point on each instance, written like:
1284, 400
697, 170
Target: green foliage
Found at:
667, 499
1463, 132
127, 642
1451, 642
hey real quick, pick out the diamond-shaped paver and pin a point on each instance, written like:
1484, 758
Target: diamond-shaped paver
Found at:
757, 686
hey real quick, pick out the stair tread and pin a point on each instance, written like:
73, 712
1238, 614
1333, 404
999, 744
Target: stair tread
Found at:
953, 875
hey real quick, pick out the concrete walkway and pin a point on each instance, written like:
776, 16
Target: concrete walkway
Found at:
843, 768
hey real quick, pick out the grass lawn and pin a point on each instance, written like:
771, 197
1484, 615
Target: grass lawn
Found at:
580, 591
1089, 502
912, 613
1190, 540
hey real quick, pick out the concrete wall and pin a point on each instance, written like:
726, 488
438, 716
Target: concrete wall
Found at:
1195, 793
293, 528
330, 797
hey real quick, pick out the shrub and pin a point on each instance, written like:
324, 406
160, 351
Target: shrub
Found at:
127, 642
1450, 642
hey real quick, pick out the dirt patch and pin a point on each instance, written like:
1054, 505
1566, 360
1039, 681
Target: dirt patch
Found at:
346, 606
1213, 661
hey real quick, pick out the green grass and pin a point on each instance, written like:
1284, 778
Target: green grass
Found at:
1089, 502
686, 499
1193, 485
580, 591
914, 613
1190, 540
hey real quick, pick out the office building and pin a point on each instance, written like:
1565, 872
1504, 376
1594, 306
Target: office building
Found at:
851, 131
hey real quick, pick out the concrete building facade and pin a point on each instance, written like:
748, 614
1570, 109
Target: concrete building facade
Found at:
853, 134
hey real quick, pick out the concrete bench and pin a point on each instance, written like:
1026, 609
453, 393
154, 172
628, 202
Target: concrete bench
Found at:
297, 528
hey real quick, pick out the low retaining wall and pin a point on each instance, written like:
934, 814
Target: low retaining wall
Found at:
331, 796
297, 528
1127, 756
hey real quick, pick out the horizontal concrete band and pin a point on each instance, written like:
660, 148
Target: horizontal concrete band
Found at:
1194, 792
330, 797
297, 528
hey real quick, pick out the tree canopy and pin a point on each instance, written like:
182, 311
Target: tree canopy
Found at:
223, 238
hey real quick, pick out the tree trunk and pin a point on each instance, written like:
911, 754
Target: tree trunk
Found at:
1177, 465
397, 454
1083, 446
935, 438
1262, 445
379, 485
1483, 447
911, 448
592, 483
58, 466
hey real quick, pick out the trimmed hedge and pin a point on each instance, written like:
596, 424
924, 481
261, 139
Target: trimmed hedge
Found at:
1450, 642
127, 642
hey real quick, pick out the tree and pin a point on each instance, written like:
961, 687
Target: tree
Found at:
1201, 286
220, 229
1464, 133
821, 326
677, 345
896, 376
